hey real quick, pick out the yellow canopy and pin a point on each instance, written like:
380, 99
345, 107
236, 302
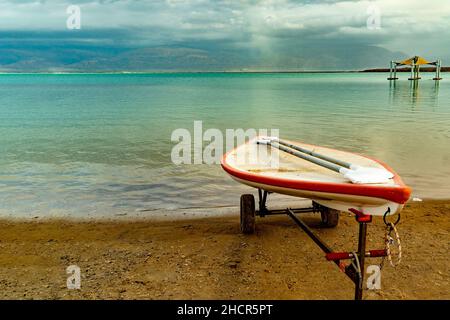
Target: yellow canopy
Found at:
417, 61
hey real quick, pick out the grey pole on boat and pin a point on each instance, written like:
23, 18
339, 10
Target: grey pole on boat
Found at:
354, 173
317, 155
306, 157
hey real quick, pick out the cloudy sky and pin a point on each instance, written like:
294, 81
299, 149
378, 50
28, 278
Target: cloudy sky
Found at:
212, 29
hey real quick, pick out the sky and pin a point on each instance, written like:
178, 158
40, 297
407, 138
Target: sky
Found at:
303, 33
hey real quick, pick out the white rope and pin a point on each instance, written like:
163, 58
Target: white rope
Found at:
390, 241
358, 266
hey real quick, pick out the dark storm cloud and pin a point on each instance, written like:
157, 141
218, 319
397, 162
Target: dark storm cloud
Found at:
267, 27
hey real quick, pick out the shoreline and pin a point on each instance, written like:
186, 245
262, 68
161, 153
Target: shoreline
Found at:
208, 258
175, 214
376, 70
155, 215
179, 72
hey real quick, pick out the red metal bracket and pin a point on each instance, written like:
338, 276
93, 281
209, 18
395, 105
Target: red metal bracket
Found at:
360, 216
333, 256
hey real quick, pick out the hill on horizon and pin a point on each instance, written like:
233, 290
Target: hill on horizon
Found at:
84, 58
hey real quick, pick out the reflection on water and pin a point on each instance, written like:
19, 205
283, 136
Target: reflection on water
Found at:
410, 93
100, 144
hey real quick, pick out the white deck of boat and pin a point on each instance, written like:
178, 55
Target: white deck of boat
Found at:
255, 158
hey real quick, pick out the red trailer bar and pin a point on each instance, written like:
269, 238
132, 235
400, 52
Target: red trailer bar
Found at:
333, 256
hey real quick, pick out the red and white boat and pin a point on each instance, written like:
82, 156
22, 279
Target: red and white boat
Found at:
298, 177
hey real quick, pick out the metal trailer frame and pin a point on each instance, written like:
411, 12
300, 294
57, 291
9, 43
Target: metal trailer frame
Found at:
354, 270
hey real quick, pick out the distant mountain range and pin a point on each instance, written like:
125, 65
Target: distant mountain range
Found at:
41, 58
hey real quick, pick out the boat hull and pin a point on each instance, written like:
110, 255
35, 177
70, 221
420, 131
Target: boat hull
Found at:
299, 178
367, 205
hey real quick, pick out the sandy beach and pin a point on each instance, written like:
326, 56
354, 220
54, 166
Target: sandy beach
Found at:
208, 258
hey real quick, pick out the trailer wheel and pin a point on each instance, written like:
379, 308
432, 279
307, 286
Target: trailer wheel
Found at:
247, 213
330, 217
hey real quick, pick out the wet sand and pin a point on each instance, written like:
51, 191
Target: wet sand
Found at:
208, 258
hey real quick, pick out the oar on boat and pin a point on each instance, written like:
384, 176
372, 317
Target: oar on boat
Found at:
315, 154
354, 173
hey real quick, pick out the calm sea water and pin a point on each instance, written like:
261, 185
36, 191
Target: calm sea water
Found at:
100, 145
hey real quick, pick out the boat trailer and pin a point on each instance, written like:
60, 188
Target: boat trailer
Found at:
354, 270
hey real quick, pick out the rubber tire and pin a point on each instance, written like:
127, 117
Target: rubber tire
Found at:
330, 217
247, 214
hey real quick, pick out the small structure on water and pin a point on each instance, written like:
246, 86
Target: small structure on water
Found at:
415, 63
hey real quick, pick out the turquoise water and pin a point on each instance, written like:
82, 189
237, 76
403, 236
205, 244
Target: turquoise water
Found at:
100, 145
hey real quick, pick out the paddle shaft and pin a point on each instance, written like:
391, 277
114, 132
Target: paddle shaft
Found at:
356, 174
306, 157
315, 154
